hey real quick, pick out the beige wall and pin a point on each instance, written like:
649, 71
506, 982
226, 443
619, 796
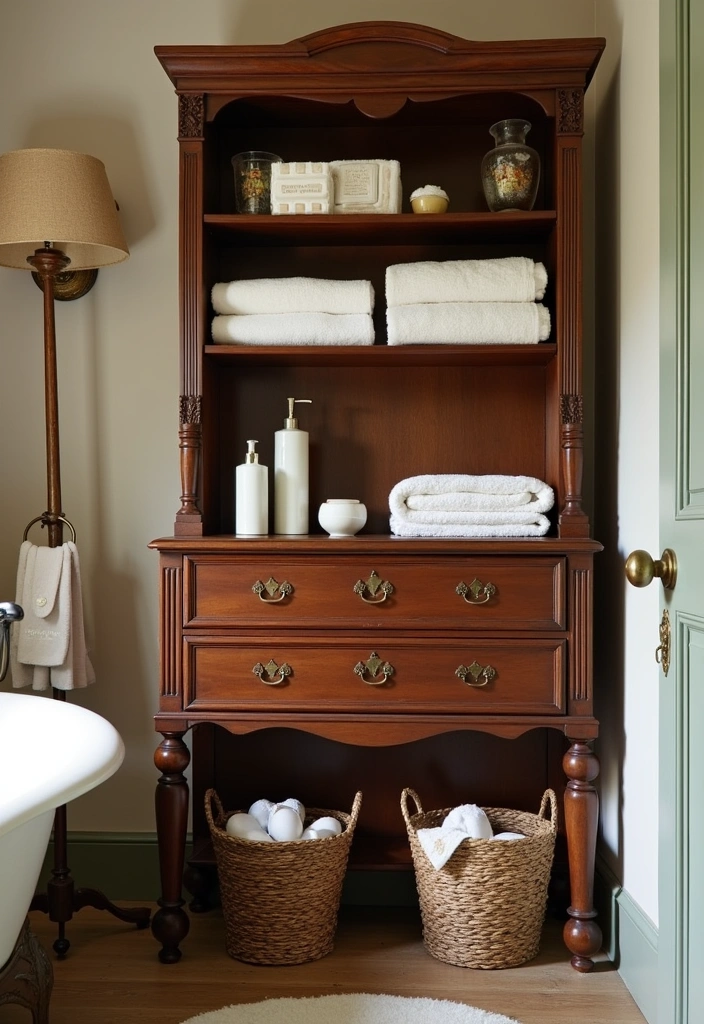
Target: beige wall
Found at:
627, 351
82, 75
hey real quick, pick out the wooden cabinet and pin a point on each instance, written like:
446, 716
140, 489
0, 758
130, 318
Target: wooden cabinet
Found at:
333, 682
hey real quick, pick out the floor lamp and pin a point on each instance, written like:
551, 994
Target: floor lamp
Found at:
57, 212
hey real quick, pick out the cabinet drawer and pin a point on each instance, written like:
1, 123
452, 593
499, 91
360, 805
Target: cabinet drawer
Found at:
457, 593
395, 675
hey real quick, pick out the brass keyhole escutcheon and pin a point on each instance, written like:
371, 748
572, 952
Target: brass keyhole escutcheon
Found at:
642, 568
662, 652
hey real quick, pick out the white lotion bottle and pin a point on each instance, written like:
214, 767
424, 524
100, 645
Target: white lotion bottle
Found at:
251, 496
291, 475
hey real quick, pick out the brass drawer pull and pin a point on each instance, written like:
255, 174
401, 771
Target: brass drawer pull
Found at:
271, 668
378, 588
373, 665
476, 671
271, 587
479, 593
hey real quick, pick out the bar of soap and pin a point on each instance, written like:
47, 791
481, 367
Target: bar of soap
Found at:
366, 186
301, 187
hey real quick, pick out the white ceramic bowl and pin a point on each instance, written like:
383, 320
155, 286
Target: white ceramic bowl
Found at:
342, 517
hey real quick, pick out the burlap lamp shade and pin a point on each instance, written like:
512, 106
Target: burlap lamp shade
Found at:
60, 197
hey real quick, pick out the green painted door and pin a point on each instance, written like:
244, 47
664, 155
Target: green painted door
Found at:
681, 845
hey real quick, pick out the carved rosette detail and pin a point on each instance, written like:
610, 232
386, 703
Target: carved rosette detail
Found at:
571, 111
189, 408
191, 116
571, 408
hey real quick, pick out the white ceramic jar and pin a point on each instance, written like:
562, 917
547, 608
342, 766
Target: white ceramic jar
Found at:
342, 517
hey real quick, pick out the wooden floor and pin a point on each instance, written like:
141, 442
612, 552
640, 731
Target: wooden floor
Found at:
112, 975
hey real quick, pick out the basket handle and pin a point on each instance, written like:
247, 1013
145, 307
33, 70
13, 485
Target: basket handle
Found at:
354, 813
211, 798
404, 805
549, 795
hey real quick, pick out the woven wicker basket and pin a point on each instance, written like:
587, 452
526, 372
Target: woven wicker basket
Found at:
485, 908
280, 900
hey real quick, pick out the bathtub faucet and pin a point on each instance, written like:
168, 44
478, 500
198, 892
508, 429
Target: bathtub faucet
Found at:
9, 613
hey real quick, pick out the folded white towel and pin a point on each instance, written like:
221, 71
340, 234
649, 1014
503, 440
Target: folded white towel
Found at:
512, 279
403, 529
48, 645
465, 822
464, 492
462, 505
292, 295
294, 329
468, 323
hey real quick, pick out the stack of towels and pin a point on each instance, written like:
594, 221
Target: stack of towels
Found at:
459, 505
467, 302
48, 646
465, 822
293, 311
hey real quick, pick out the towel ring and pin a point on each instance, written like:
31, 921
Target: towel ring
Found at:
45, 521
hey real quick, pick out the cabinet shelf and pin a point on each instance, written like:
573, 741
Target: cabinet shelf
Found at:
383, 355
380, 229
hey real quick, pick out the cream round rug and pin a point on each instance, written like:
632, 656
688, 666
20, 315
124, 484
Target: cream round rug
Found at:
358, 1008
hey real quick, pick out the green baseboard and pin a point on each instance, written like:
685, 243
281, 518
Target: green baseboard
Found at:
125, 866
630, 940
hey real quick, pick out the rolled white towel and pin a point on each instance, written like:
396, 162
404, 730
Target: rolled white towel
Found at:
465, 822
512, 279
292, 295
468, 323
294, 329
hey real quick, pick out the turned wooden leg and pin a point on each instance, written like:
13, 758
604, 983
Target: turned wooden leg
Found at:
581, 933
170, 923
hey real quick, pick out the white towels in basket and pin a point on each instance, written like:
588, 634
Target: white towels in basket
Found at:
470, 302
48, 646
464, 822
462, 505
293, 311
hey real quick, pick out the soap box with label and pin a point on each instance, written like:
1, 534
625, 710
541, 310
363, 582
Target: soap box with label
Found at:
301, 187
366, 186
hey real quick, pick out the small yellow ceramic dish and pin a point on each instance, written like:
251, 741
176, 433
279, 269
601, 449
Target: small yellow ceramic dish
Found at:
429, 199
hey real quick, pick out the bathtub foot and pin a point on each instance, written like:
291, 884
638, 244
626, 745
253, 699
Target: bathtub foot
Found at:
27, 978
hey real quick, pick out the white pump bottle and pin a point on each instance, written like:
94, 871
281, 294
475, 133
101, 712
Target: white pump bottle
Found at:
291, 475
251, 496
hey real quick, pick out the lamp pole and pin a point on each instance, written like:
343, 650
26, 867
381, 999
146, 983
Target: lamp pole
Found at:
49, 262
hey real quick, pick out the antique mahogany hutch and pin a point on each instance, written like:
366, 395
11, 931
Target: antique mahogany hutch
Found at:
379, 414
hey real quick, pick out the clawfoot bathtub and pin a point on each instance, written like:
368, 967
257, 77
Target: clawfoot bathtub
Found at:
50, 753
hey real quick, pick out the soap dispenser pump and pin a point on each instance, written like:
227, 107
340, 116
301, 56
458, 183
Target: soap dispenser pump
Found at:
291, 475
251, 496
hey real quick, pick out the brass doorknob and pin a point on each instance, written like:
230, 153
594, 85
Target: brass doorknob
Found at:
641, 568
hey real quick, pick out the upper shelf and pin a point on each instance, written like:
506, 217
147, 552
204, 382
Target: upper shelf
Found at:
381, 229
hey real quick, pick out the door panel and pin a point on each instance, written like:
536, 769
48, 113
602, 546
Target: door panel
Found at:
681, 887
